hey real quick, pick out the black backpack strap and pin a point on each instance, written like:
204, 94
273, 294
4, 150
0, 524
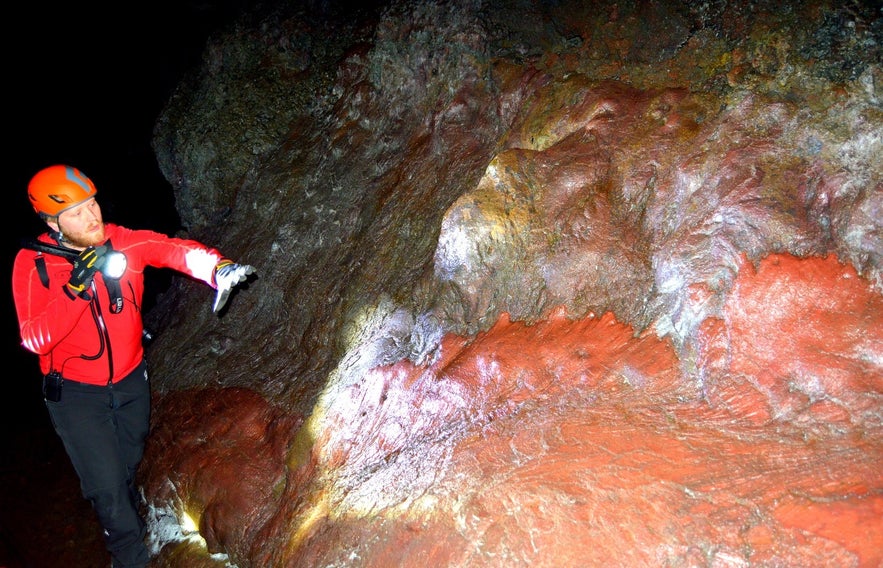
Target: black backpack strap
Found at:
40, 261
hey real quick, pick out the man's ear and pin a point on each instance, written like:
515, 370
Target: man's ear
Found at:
53, 225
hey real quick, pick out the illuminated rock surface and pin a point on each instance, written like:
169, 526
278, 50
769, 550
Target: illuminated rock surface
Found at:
537, 287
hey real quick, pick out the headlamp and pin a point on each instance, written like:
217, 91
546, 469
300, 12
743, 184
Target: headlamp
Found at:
114, 264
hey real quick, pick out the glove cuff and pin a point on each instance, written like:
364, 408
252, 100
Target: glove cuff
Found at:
221, 264
74, 293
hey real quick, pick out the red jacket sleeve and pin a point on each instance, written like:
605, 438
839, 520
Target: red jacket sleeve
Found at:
147, 248
46, 315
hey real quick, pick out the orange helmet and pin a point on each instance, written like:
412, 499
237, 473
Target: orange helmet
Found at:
58, 188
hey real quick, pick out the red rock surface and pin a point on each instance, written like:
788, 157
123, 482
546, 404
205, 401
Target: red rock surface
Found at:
574, 442
221, 461
580, 444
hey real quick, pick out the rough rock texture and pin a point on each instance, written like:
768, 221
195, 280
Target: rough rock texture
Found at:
540, 284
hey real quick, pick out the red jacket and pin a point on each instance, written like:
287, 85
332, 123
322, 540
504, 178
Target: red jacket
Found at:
83, 339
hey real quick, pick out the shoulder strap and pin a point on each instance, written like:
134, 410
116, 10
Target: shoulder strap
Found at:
40, 261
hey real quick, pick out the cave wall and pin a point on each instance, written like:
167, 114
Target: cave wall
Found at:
598, 223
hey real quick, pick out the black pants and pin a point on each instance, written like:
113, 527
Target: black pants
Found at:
103, 429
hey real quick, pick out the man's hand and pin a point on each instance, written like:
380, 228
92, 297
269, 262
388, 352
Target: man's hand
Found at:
85, 266
227, 275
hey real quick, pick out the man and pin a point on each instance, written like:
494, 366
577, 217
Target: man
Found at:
78, 292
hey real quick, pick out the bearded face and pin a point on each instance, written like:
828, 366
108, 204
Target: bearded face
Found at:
82, 225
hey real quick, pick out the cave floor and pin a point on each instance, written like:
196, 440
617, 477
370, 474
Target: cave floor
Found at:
44, 520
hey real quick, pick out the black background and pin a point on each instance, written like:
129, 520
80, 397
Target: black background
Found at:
84, 85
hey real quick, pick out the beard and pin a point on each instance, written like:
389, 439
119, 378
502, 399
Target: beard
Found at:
82, 239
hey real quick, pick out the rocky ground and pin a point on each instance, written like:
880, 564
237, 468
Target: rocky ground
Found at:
44, 520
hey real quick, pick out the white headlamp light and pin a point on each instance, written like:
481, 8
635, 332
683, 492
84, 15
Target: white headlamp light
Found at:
114, 264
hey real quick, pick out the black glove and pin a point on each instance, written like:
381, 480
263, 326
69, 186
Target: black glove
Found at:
85, 265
